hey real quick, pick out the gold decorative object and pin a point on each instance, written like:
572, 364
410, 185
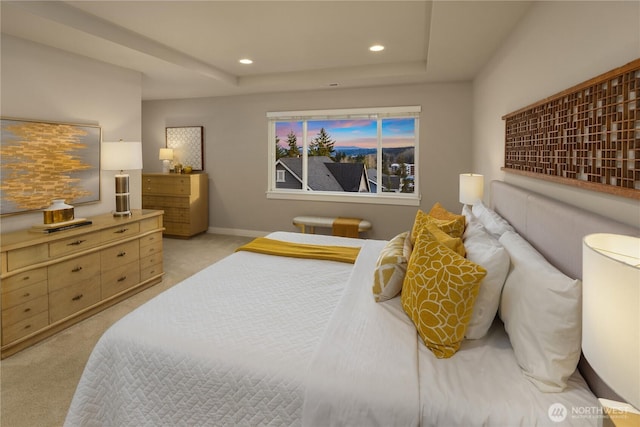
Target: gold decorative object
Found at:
59, 211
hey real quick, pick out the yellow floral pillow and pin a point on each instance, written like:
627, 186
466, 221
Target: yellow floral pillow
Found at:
438, 293
453, 227
390, 269
440, 213
453, 243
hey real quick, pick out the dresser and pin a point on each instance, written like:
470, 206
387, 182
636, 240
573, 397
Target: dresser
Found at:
184, 198
51, 281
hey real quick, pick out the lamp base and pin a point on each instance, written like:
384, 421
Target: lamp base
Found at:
166, 166
122, 196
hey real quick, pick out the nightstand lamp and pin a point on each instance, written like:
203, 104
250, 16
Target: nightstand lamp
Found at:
166, 155
471, 188
611, 311
121, 156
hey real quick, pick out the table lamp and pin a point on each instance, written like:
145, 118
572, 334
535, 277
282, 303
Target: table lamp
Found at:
471, 188
121, 156
611, 311
166, 155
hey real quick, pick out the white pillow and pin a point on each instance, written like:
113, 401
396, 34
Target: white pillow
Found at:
541, 311
468, 213
493, 222
484, 249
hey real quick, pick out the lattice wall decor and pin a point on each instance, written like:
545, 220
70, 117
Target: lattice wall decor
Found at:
588, 135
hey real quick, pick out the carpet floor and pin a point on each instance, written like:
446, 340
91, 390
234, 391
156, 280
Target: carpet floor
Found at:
37, 384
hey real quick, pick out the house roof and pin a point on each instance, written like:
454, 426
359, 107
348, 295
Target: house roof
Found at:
349, 175
326, 175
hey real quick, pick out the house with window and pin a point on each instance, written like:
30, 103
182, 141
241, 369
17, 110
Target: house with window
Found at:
431, 95
325, 175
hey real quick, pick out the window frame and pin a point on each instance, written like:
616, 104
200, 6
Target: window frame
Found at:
373, 113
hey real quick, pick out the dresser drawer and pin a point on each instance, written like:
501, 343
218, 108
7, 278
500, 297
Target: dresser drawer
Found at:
119, 255
150, 266
169, 185
24, 294
21, 280
120, 279
151, 239
74, 244
177, 228
67, 301
25, 310
120, 232
23, 257
164, 202
21, 329
83, 268
177, 215
150, 224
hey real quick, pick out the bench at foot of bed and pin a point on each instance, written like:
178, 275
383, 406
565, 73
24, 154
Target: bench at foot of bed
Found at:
340, 226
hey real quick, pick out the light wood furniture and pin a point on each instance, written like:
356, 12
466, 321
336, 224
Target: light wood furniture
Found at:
184, 199
51, 281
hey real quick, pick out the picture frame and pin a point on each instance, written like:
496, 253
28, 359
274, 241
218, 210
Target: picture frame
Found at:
187, 145
41, 161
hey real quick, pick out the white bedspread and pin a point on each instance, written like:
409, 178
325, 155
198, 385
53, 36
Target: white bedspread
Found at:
365, 370
230, 345
265, 340
482, 385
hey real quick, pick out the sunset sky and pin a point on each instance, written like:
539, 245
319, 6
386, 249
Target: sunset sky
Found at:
358, 133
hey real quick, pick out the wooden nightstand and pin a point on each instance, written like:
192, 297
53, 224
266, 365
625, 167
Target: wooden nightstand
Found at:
184, 198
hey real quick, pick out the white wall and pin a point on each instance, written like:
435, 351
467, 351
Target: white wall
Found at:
47, 84
557, 45
236, 147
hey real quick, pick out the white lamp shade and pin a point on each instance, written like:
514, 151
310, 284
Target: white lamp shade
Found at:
116, 156
611, 311
166, 154
471, 188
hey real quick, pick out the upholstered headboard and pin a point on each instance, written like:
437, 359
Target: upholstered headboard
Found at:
556, 230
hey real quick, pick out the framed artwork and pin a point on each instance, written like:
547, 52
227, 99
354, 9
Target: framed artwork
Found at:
42, 161
186, 142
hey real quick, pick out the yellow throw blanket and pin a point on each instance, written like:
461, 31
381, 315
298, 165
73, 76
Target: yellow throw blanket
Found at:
268, 246
346, 227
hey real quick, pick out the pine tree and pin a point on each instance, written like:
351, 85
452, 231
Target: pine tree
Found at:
292, 142
322, 145
280, 152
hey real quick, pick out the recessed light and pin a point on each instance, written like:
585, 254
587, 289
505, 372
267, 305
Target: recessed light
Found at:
376, 48
246, 61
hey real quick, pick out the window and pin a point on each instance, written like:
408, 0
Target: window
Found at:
357, 155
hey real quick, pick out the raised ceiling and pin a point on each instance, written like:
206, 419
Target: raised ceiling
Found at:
190, 49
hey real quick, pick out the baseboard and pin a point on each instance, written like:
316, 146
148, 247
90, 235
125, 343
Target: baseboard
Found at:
237, 232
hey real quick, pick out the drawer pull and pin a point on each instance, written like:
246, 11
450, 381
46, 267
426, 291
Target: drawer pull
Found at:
77, 297
26, 278
76, 243
27, 326
122, 230
121, 254
75, 270
28, 294
26, 310
122, 279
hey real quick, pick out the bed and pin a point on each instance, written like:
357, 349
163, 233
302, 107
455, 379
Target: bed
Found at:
258, 339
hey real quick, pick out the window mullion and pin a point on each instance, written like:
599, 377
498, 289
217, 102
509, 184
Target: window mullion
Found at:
379, 156
305, 156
